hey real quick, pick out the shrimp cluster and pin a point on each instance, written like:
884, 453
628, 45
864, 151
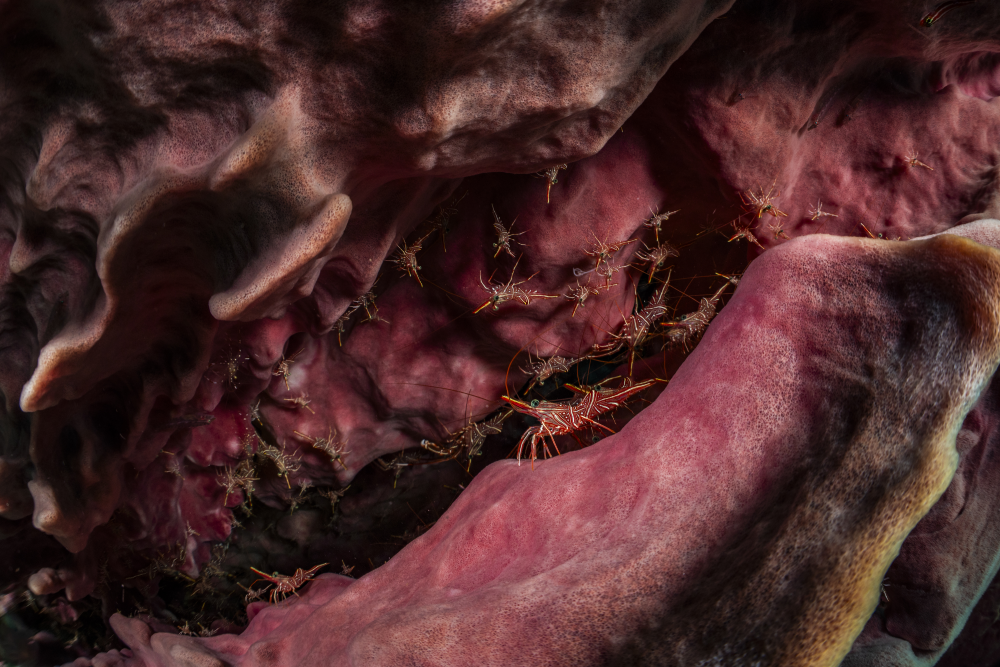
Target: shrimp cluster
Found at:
468, 439
367, 302
331, 445
568, 416
636, 327
240, 477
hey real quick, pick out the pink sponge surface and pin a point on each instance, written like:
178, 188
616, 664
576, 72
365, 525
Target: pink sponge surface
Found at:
708, 498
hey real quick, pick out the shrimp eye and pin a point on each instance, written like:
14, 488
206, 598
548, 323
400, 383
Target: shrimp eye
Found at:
534, 403
494, 245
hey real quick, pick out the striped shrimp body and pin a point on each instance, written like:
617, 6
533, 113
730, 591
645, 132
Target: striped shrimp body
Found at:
566, 418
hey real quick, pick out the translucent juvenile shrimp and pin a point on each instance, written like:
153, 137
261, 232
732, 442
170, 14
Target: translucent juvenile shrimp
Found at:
818, 212
744, 231
778, 230
240, 477
603, 251
469, 438
367, 302
933, 17
504, 236
912, 161
656, 256
285, 463
543, 369
442, 221
579, 295
551, 175
341, 324
510, 291
636, 327
334, 496
685, 330
302, 401
656, 222
283, 369
761, 202
406, 260
607, 270
331, 445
